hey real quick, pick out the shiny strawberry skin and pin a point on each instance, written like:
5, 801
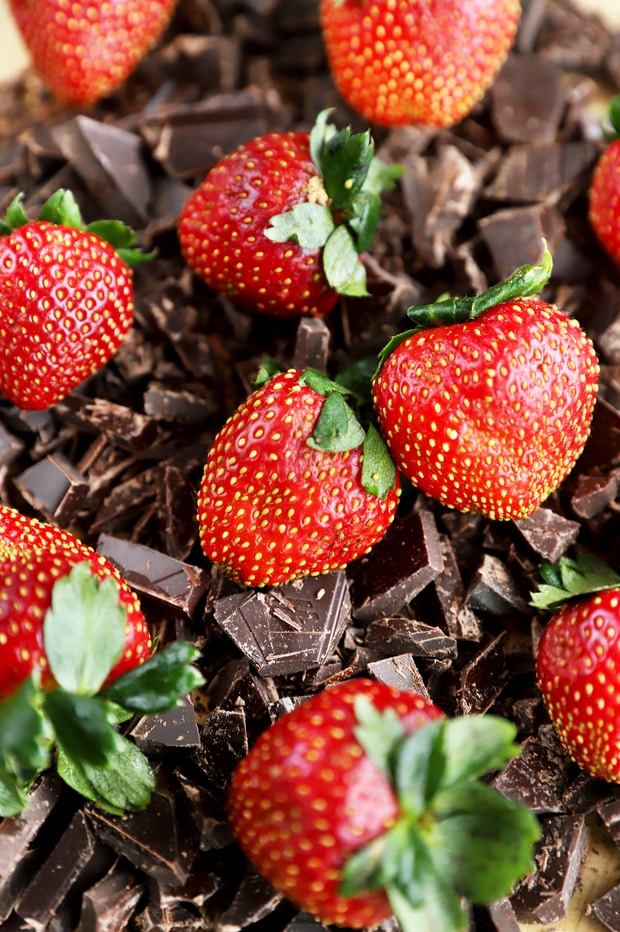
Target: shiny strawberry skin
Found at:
33, 555
397, 62
307, 796
578, 669
604, 200
221, 230
271, 508
66, 304
89, 52
490, 415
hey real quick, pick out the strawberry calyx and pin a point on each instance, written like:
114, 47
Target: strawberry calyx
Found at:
62, 209
526, 281
456, 837
570, 579
84, 635
611, 127
342, 209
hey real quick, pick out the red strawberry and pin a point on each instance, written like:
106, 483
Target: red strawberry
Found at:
604, 194
33, 556
293, 485
489, 409
364, 801
398, 62
66, 299
278, 225
87, 50
578, 661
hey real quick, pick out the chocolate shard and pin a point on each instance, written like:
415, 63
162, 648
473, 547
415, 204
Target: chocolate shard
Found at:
237, 683
541, 174
110, 161
399, 671
482, 680
254, 900
54, 487
168, 731
291, 628
539, 775
514, 237
503, 916
493, 589
110, 903
224, 744
547, 533
520, 112
155, 574
593, 495
390, 636
11, 446
311, 344
126, 428
606, 909
406, 560
543, 896
444, 599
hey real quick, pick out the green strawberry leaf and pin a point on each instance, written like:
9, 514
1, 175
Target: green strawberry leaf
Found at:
382, 176
84, 630
337, 428
345, 164
309, 225
363, 218
24, 746
612, 132
267, 370
13, 793
81, 726
320, 134
378, 732
569, 579
476, 827
15, 216
378, 469
320, 383
158, 684
474, 745
342, 266
62, 209
125, 781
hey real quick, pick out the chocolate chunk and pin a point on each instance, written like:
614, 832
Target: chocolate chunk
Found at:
593, 494
547, 533
503, 916
311, 344
538, 776
109, 161
168, 731
406, 560
254, 900
514, 237
390, 636
288, 629
520, 112
10, 447
543, 896
122, 426
444, 598
304, 922
183, 407
483, 678
606, 909
401, 672
236, 683
493, 589
610, 814
541, 173
110, 903
155, 574
602, 450
54, 487
224, 744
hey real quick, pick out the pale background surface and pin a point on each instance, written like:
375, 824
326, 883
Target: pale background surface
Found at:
603, 863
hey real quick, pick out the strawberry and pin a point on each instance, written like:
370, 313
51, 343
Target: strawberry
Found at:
66, 299
279, 224
604, 193
365, 801
397, 62
488, 402
578, 661
75, 660
33, 555
85, 51
293, 485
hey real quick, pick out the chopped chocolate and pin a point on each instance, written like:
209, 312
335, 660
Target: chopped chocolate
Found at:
482, 680
168, 731
503, 916
543, 896
399, 671
10, 446
224, 744
291, 628
606, 909
155, 574
236, 684
392, 636
493, 589
54, 487
406, 560
541, 173
539, 775
255, 900
593, 495
514, 237
520, 112
311, 344
122, 426
110, 903
444, 598
547, 533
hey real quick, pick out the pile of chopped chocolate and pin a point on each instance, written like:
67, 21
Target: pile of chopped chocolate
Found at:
441, 605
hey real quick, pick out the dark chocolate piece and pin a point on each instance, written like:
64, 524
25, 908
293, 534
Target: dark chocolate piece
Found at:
311, 344
606, 909
54, 487
543, 896
593, 494
254, 901
224, 744
538, 776
444, 599
400, 671
538, 174
520, 112
406, 560
291, 628
547, 533
110, 903
10, 446
182, 407
482, 680
493, 589
122, 426
155, 574
168, 731
236, 683
503, 916
390, 636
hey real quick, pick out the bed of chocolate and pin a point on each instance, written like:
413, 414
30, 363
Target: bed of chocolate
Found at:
441, 605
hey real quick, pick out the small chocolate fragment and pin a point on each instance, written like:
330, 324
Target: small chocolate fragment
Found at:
547, 533
406, 560
540, 174
109, 904
538, 776
168, 731
514, 237
54, 487
304, 922
389, 636
493, 589
224, 744
11, 447
520, 112
155, 574
126, 428
543, 896
311, 344
401, 672
183, 407
602, 450
444, 598
291, 628
503, 916
237, 684
483, 678
593, 495
254, 900
607, 909
610, 814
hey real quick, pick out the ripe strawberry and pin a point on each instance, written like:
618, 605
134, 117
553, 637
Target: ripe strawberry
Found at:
293, 485
604, 193
66, 299
279, 224
75, 659
489, 409
364, 801
398, 62
86, 51
33, 555
578, 661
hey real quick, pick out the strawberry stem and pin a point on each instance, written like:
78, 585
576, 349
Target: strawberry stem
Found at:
570, 579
